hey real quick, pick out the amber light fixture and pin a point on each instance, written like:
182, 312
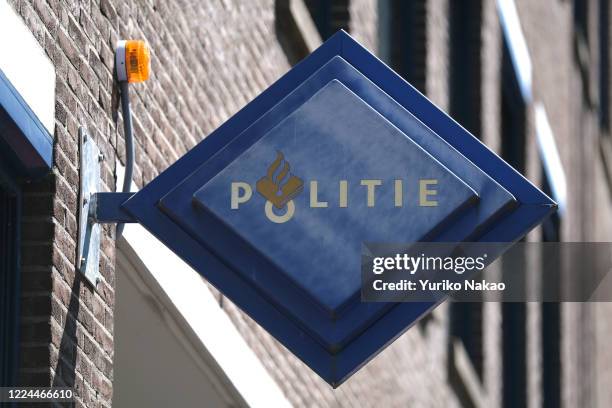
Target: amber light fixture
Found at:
132, 61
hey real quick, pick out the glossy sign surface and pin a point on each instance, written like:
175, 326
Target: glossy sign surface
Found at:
273, 207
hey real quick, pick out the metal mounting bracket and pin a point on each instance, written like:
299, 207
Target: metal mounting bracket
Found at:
88, 261
95, 208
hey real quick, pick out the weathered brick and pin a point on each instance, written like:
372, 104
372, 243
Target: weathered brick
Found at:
58, 313
60, 113
47, 16
88, 25
67, 143
103, 386
209, 59
69, 49
104, 340
69, 171
64, 265
84, 367
98, 309
109, 11
67, 98
62, 290
66, 193
107, 56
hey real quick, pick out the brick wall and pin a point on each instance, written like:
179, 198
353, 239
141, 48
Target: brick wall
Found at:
364, 22
558, 84
67, 328
208, 60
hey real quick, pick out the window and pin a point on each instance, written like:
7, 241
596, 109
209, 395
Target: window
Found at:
465, 62
550, 330
405, 39
514, 315
329, 16
466, 325
513, 115
464, 87
581, 18
9, 282
604, 64
27, 120
583, 48
295, 29
514, 372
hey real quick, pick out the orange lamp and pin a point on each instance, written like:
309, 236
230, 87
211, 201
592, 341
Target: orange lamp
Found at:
132, 61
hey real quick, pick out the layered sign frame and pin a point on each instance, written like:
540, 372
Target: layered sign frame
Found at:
178, 207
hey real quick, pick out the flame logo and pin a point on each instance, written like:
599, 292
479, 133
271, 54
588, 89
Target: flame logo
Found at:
280, 159
281, 187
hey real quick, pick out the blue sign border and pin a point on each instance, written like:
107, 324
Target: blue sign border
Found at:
356, 316
333, 368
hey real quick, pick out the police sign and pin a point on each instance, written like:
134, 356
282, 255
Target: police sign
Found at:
274, 206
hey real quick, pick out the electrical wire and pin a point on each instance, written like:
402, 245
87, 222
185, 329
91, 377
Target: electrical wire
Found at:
129, 143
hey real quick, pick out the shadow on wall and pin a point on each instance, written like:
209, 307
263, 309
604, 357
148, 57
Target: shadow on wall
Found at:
65, 368
288, 32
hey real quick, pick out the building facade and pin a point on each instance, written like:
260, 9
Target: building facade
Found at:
518, 74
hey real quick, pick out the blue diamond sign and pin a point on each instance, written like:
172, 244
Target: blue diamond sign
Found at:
274, 206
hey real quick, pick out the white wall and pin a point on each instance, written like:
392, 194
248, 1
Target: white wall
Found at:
174, 345
26, 65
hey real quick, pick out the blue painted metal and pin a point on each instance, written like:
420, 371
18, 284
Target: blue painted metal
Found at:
25, 144
106, 208
340, 114
324, 149
332, 332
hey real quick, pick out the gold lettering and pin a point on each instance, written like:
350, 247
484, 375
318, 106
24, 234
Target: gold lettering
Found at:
371, 185
399, 194
279, 219
314, 200
236, 197
343, 194
425, 192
